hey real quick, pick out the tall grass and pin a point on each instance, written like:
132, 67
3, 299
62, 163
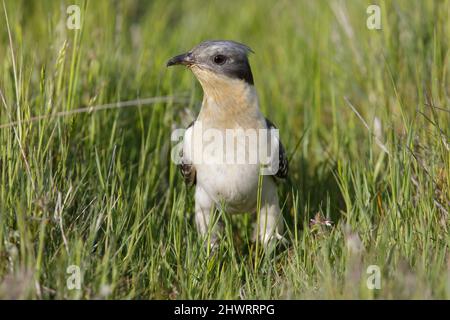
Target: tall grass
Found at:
368, 109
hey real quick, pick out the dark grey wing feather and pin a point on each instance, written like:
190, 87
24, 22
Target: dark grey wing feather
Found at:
189, 174
283, 164
187, 169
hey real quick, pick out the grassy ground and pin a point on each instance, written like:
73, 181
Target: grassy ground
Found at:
364, 113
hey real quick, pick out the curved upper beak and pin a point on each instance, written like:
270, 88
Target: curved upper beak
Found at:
184, 59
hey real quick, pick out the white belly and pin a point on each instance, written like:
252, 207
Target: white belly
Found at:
228, 177
234, 185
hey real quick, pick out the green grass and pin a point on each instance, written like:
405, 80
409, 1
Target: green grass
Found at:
98, 189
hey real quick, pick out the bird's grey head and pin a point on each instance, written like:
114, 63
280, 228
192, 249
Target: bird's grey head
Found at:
227, 58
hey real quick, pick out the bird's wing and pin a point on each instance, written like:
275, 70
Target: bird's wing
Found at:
283, 164
187, 169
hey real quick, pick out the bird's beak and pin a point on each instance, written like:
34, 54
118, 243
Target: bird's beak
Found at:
184, 59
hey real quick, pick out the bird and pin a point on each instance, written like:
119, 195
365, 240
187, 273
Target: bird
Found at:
230, 103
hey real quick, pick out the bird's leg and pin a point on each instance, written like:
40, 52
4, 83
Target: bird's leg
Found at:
270, 223
205, 218
270, 219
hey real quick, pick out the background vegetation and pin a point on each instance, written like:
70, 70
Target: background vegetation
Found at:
365, 115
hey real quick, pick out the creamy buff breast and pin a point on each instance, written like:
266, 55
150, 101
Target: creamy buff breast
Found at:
228, 103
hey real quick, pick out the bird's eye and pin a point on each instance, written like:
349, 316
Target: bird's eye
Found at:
219, 59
